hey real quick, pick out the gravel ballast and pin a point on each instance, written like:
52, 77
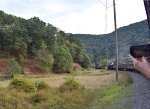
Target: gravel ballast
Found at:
137, 94
141, 87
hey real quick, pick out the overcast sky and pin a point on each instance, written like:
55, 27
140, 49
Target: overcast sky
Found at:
77, 16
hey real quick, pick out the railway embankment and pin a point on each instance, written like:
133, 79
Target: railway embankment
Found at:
141, 87
137, 94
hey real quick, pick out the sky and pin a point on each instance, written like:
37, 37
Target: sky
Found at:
78, 16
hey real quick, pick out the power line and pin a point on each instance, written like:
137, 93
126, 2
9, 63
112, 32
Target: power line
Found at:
101, 3
115, 24
104, 4
106, 14
106, 9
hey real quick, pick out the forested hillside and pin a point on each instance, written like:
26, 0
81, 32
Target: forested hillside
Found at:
34, 39
96, 45
56, 50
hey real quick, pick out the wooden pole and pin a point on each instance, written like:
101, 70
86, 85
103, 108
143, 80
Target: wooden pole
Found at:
115, 24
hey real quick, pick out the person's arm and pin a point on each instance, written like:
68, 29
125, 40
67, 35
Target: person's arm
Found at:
142, 66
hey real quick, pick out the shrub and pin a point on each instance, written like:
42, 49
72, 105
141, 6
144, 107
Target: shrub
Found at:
42, 86
39, 96
86, 63
45, 60
20, 58
12, 99
22, 84
14, 67
63, 60
103, 63
70, 85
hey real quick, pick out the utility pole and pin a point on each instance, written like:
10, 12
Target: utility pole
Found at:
106, 51
115, 24
106, 8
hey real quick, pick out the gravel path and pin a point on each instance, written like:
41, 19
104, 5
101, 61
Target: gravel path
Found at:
141, 86
137, 94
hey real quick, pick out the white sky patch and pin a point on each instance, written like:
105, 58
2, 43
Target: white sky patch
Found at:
130, 11
84, 21
77, 16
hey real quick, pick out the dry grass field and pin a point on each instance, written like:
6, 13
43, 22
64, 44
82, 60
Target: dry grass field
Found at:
88, 78
93, 96
91, 79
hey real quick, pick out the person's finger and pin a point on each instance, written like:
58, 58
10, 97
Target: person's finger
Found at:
132, 58
148, 43
144, 59
135, 61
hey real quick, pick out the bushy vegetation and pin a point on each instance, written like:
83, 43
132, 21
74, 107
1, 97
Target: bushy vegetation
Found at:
63, 60
33, 38
103, 63
22, 84
45, 61
43, 97
73, 95
12, 99
54, 99
39, 96
70, 85
14, 67
41, 86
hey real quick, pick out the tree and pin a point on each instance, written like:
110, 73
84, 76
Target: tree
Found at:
23, 38
63, 60
13, 39
35, 29
45, 58
103, 63
50, 36
86, 63
14, 67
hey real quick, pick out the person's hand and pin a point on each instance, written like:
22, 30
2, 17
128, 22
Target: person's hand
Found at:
141, 65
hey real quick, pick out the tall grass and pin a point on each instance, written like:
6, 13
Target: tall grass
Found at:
45, 97
51, 99
114, 92
90, 72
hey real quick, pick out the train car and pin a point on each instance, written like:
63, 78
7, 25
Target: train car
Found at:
121, 66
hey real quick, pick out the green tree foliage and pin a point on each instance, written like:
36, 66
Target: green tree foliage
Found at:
35, 29
22, 84
70, 85
97, 45
14, 67
31, 38
79, 55
86, 62
63, 60
42, 86
45, 60
103, 63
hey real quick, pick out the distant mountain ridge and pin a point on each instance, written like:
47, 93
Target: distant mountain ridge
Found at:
133, 34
